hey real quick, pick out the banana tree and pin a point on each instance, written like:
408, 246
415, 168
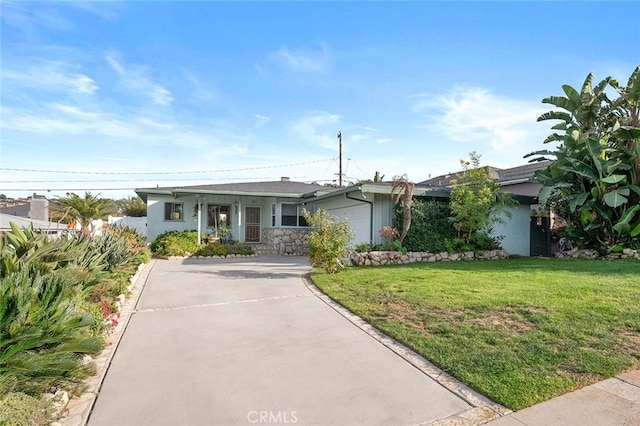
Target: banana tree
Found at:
594, 181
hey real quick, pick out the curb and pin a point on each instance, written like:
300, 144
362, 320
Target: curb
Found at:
79, 408
483, 410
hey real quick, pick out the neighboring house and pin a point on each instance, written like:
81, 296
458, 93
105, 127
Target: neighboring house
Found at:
269, 214
36, 208
261, 213
38, 225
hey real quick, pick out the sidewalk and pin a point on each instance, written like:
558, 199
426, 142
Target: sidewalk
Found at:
614, 401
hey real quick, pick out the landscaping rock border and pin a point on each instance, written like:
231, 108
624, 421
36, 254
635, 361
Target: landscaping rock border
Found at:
157, 256
592, 254
377, 258
78, 409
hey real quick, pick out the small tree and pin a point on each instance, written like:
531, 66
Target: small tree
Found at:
328, 241
84, 210
133, 207
476, 201
404, 195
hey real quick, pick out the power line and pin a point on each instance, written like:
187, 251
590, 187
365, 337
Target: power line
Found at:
168, 173
139, 180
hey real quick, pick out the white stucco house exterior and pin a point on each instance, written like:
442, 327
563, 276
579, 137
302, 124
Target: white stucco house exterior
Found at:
269, 214
261, 213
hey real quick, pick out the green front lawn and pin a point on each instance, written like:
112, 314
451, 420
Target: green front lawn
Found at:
518, 331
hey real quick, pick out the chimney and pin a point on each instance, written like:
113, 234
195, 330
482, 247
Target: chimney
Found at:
284, 179
39, 208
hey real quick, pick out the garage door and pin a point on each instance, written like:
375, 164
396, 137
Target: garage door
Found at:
359, 218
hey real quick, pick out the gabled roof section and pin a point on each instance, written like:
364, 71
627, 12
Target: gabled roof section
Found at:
281, 188
378, 188
509, 176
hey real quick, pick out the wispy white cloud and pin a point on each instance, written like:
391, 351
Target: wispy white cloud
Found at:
303, 60
50, 76
107, 10
318, 128
29, 17
477, 116
59, 120
261, 120
199, 90
134, 78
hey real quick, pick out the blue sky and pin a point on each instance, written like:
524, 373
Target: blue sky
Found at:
115, 92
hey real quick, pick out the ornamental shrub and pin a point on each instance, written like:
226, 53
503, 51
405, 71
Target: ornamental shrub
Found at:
217, 249
176, 243
431, 230
43, 335
328, 241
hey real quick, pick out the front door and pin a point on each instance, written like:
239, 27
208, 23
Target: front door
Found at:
252, 225
540, 239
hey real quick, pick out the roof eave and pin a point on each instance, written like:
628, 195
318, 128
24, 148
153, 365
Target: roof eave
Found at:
185, 192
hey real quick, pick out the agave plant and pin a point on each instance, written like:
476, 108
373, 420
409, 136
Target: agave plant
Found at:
594, 182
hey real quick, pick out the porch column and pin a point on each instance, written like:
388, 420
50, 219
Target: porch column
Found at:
240, 233
199, 218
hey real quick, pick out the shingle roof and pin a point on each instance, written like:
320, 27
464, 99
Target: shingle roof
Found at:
514, 174
272, 187
21, 210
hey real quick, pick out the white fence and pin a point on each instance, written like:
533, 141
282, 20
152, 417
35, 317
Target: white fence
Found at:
139, 223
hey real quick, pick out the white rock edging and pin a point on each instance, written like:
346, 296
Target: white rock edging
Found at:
483, 409
376, 258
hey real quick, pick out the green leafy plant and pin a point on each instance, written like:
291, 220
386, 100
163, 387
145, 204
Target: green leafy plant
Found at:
42, 335
133, 207
430, 226
176, 243
20, 409
362, 248
594, 180
328, 241
217, 249
476, 201
83, 210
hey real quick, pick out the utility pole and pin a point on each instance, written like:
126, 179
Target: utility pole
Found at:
340, 160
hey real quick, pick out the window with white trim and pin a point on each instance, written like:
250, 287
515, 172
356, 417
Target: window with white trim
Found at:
291, 215
173, 211
273, 214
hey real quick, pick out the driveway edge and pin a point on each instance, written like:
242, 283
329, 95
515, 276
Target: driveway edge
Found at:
79, 408
483, 410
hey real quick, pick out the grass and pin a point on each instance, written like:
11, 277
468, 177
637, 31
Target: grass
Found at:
519, 331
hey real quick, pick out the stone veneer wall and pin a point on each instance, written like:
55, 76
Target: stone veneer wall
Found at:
397, 258
285, 241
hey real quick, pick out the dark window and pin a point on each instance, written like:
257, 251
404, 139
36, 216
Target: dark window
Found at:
292, 215
218, 214
173, 211
289, 215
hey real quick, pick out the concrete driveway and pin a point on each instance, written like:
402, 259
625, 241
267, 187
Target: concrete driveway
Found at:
244, 341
